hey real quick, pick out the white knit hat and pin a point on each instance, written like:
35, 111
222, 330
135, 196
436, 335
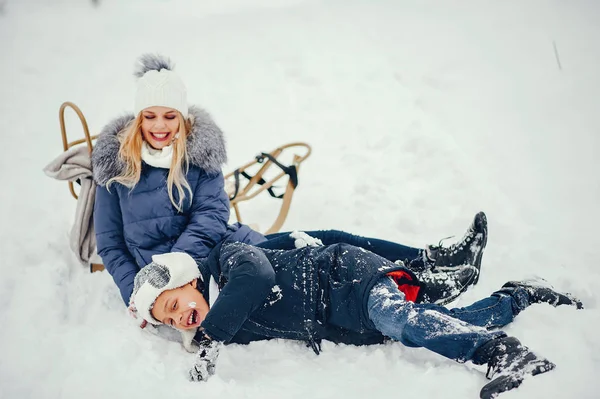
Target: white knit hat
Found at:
158, 85
165, 272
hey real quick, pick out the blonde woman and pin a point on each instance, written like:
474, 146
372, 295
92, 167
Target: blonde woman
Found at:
160, 189
160, 185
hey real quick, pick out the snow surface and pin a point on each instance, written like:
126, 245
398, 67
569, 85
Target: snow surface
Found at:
420, 113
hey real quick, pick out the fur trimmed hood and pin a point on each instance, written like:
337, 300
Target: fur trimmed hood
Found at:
205, 146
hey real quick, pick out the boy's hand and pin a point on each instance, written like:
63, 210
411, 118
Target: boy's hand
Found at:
204, 364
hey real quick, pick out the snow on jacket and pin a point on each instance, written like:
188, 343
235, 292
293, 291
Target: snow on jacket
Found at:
308, 294
134, 224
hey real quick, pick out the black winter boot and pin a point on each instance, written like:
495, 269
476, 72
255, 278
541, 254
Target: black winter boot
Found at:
467, 251
442, 287
539, 291
508, 363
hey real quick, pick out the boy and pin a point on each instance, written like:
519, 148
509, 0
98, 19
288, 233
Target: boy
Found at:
341, 293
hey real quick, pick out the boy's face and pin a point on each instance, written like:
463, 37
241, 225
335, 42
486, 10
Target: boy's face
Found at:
183, 308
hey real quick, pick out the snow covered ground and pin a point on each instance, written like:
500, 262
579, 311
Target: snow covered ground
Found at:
420, 113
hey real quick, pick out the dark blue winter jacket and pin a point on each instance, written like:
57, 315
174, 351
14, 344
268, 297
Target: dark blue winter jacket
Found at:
131, 225
309, 294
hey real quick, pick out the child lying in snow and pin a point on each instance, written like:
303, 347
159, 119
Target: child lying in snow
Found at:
341, 293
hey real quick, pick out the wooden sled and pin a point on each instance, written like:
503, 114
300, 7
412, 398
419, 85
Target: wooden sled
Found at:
242, 184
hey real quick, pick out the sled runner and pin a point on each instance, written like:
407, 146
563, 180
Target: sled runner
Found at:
242, 184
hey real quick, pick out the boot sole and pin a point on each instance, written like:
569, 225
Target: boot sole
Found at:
482, 220
506, 382
458, 293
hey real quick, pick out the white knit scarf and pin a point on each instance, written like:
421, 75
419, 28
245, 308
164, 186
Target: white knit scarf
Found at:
157, 158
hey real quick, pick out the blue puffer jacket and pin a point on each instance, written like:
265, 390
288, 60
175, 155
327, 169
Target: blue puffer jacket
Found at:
132, 225
308, 294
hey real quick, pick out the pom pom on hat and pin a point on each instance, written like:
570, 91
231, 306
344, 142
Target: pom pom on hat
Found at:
159, 85
151, 62
165, 272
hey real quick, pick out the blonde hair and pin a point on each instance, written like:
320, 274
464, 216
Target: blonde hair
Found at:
130, 152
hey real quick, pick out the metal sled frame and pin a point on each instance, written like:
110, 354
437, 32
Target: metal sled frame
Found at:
255, 184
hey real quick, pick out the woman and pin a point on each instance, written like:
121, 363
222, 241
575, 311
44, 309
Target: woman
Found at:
161, 189
340, 293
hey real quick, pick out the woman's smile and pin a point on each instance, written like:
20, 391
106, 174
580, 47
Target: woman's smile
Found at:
162, 136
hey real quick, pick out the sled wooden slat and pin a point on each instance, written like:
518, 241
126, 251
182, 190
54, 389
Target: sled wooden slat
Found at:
66, 144
245, 195
96, 267
285, 205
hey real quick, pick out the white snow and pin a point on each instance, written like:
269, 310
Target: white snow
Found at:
420, 114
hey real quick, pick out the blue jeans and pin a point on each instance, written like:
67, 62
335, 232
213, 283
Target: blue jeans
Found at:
387, 249
453, 333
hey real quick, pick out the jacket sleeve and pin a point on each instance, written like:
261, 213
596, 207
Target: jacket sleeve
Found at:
117, 259
250, 278
209, 216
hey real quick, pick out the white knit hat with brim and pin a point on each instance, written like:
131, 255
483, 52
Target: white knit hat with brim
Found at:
159, 85
165, 272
